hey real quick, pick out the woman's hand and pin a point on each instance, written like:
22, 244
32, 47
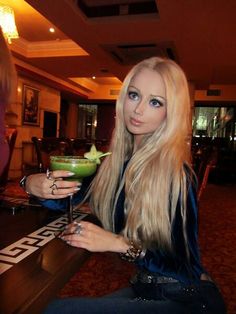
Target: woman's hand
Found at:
93, 238
52, 187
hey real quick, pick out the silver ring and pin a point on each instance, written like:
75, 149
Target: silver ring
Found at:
54, 186
49, 175
78, 229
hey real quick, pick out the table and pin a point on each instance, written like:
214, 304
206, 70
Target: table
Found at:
34, 265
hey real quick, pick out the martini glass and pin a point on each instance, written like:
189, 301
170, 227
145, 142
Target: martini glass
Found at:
81, 167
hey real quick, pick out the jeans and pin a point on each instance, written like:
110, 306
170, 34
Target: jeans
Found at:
207, 300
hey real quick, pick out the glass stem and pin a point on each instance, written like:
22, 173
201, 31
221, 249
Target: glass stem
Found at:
70, 212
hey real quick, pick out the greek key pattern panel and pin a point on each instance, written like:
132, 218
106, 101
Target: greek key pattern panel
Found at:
22, 248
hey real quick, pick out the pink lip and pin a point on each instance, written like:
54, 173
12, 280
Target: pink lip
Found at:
135, 122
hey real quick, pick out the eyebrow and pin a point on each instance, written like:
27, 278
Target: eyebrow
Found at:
159, 96
133, 87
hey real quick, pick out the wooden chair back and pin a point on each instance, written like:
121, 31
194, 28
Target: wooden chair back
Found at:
46, 147
11, 135
205, 161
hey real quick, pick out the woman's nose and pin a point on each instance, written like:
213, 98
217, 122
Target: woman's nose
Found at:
139, 109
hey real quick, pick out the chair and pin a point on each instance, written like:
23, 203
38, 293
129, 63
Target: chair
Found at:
50, 146
80, 146
11, 134
204, 180
204, 162
102, 145
225, 170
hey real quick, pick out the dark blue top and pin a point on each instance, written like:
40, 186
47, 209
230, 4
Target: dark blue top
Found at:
176, 265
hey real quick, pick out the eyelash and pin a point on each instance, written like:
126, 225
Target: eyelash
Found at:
134, 96
158, 102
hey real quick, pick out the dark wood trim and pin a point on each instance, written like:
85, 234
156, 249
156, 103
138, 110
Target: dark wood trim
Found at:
215, 103
97, 102
46, 81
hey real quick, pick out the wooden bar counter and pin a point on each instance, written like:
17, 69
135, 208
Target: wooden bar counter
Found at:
34, 265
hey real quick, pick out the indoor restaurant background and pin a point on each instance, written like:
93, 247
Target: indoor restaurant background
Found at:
94, 43
71, 57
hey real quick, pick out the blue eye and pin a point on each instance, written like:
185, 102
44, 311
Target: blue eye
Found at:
155, 103
133, 95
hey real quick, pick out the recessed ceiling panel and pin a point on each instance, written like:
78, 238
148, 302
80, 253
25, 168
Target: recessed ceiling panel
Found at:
116, 8
129, 54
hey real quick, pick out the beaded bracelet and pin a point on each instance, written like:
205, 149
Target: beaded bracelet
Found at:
134, 252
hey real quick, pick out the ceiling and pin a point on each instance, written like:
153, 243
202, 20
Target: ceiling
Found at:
104, 38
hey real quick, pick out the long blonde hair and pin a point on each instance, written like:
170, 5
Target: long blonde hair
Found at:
155, 179
7, 73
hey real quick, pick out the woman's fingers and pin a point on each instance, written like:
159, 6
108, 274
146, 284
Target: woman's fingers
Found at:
61, 184
56, 190
60, 174
52, 185
90, 237
56, 186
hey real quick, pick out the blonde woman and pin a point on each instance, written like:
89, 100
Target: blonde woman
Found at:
7, 88
145, 196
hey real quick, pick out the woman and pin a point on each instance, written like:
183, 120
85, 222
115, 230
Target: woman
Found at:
145, 196
7, 87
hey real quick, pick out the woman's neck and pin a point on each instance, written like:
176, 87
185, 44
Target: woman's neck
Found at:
137, 141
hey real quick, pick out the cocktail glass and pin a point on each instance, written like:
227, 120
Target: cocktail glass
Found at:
81, 167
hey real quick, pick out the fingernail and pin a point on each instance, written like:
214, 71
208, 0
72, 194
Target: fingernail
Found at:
70, 173
70, 194
77, 189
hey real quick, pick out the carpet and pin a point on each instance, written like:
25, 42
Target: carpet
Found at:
217, 238
106, 272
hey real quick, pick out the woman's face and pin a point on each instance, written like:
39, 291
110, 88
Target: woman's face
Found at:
145, 104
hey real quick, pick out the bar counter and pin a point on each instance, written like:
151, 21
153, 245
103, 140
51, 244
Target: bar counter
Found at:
34, 265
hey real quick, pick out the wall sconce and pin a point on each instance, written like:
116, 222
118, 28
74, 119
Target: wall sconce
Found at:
7, 23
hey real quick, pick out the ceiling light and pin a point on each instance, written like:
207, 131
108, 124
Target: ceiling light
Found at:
7, 23
93, 77
52, 30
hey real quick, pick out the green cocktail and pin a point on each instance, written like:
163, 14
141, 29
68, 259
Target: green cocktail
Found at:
81, 167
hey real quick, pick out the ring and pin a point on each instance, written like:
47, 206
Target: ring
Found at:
49, 175
54, 186
78, 229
